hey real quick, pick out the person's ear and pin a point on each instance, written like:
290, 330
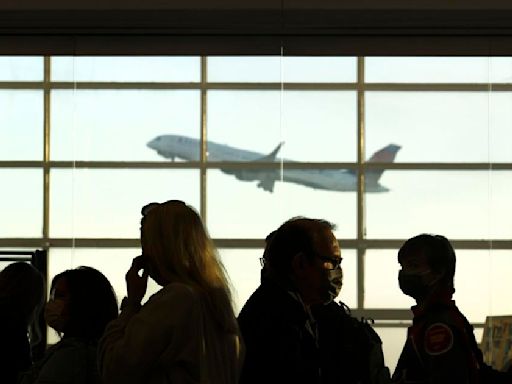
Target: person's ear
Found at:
437, 276
298, 263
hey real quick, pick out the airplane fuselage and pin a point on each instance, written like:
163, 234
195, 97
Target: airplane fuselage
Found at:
188, 149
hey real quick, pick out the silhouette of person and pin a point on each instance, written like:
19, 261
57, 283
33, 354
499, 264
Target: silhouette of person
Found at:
350, 350
440, 346
279, 330
187, 331
21, 295
82, 302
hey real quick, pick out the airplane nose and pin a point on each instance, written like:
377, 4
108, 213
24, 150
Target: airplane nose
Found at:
151, 144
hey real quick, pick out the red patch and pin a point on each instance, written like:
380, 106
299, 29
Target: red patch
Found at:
438, 339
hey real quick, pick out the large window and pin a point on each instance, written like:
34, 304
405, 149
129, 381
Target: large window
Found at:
385, 148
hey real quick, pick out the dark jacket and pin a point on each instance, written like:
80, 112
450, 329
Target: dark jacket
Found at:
15, 356
440, 347
281, 342
350, 350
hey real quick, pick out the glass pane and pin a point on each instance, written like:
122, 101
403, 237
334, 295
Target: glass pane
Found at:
313, 126
288, 69
500, 69
438, 69
244, 69
441, 202
320, 125
103, 203
243, 268
240, 208
21, 119
118, 125
500, 124
319, 69
381, 281
427, 69
393, 340
21, 203
113, 263
482, 283
21, 68
348, 294
126, 69
246, 120
433, 126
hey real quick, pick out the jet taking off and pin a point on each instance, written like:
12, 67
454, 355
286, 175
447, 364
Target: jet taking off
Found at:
186, 148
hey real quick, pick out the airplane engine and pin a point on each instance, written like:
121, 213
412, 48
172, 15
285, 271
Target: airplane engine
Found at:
246, 175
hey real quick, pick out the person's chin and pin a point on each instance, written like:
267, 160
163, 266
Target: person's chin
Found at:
328, 297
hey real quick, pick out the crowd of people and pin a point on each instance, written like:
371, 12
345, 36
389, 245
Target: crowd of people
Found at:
290, 330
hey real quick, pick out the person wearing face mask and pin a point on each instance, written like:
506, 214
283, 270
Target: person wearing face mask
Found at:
277, 323
440, 346
82, 302
351, 350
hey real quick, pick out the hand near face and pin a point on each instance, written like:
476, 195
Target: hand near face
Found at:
136, 284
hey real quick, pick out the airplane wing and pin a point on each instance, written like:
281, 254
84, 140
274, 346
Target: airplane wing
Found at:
266, 177
267, 184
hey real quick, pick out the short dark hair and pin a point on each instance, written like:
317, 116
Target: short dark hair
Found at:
21, 290
93, 303
298, 234
438, 251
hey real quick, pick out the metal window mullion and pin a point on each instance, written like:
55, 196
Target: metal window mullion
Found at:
203, 138
251, 165
256, 165
361, 225
46, 151
436, 87
383, 87
247, 243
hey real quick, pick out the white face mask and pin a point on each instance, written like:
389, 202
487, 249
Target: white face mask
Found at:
54, 314
336, 281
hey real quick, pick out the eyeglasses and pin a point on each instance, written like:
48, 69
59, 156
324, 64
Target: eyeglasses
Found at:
330, 262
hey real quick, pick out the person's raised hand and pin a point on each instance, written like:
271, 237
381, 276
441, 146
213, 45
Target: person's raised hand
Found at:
136, 284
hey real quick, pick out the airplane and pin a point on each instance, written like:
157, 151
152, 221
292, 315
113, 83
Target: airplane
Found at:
345, 180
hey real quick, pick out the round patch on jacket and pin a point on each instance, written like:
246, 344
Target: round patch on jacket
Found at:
438, 339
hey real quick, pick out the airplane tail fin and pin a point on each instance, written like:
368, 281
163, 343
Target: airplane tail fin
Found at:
384, 155
271, 157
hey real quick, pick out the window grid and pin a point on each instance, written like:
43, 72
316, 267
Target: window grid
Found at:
361, 243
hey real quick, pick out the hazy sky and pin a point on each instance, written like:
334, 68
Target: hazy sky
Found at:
319, 125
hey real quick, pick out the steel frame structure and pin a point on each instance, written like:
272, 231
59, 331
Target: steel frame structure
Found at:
385, 317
